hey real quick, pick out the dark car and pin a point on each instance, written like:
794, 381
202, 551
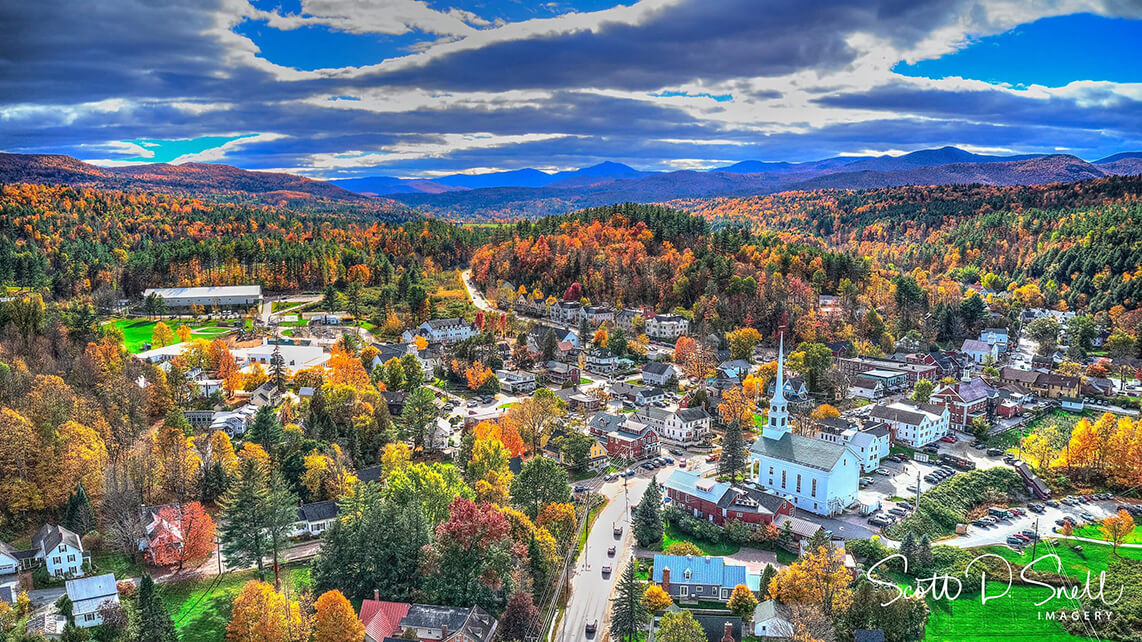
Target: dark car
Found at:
592, 626
581, 489
1014, 541
994, 452
611, 551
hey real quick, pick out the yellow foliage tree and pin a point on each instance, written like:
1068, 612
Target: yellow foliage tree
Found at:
261, 614
162, 335
1116, 528
656, 599
335, 620
819, 579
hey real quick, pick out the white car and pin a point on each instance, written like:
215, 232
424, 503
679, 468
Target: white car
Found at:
884, 471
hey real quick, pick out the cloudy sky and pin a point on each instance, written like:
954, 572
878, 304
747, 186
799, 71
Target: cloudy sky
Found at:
339, 88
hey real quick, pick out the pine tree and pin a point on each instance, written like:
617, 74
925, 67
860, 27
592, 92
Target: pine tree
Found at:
278, 372
153, 622
244, 517
923, 555
766, 574
79, 516
281, 511
549, 346
265, 431
734, 454
627, 612
538, 566
648, 516
908, 546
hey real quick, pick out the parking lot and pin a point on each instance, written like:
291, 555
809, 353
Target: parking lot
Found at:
1043, 523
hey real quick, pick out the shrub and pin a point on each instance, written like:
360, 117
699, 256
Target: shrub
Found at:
683, 548
948, 504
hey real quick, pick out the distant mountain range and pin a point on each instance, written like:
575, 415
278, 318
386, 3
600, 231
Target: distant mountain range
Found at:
531, 192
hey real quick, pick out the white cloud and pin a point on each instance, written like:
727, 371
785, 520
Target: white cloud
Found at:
219, 153
443, 146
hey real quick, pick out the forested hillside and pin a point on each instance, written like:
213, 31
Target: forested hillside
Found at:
75, 241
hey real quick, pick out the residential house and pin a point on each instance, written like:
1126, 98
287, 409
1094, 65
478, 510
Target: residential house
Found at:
10, 558
667, 327
315, 518
60, 549
658, 373
862, 387
516, 382
160, 535
425, 622
446, 331
649, 396
266, 394
949, 363
1057, 386
841, 349
980, 352
598, 314
689, 578
602, 361
579, 400
234, 422
560, 373
966, 401
682, 426
394, 401
829, 305
736, 369
625, 319
770, 621
795, 389
596, 458
719, 502
913, 424
623, 436
998, 337
538, 334
566, 312
871, 440
88, 596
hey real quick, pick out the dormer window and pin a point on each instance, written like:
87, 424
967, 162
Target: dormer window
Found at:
686, 574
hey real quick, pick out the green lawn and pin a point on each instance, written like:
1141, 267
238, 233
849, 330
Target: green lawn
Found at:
116, 563
584, 381
201, 609
136, 332
1093, 531
966, 620
672, 535
592, 515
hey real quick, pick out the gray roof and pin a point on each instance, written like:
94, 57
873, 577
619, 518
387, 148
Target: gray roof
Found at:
693, 414
317, 511
606, 422
444, 323
475, 623
765, 611
799, 449
87, 594
658, 368
51, 536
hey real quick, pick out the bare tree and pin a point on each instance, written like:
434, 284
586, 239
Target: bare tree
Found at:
123, 521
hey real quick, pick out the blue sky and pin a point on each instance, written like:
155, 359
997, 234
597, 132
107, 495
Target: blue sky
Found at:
340, 88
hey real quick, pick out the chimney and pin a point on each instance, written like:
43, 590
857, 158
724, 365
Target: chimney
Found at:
376, 595
666, 579
729, 632
443, 631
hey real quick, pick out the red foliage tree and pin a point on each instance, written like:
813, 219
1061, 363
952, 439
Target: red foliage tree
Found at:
183, 535
574, 292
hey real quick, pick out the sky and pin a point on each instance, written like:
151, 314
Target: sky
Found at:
414, 88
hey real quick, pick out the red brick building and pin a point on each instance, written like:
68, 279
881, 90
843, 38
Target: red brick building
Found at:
719, 502
624, 437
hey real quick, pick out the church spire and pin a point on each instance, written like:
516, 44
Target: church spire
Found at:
778, 423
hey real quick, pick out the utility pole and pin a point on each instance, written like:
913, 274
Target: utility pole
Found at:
1035, 542
917, 507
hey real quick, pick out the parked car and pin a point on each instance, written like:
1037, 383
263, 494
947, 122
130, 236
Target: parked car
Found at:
1035, 508
1087, 516
1014, 541
1030, 534
933, 449
1018, 512
884, 471
948, 439
994, 452
581, 489
905, 505
1052, 503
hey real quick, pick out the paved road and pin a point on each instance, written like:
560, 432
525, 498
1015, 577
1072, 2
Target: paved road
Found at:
590, 587
478, 299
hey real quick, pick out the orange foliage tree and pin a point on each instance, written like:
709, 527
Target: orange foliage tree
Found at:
335, 620
188, 536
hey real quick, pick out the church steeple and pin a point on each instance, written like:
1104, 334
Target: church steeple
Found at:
778, 423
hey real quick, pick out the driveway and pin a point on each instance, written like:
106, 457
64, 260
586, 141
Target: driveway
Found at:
474, 294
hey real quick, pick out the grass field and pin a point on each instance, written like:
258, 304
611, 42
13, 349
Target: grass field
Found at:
201, 609
136, 332
1094, 532
967, 619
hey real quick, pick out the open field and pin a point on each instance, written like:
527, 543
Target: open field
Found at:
1093, 531
201, 608
136, 332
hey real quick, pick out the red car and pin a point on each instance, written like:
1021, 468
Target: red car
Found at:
948, 439
712, 458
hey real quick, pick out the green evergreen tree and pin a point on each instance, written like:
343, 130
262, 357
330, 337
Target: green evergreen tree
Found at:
244, 518
538, 566
648, 517
265, 430
734, 454
767, 574
153, 622
281, 512
550, 345
908, 547
628, 615
278, 373
79, 516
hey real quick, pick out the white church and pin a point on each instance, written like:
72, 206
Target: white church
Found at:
820, 476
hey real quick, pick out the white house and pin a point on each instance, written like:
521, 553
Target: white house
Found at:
602, 361
315, 518
161, 354
999, 337
9, 560
866, 388
88, 595
566, 311
516, 382
234, 422
979, 351
446, 331
820, 477
914, 424
684, 426
226, 296
769, 623
658, 373
667, 326
60, 549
